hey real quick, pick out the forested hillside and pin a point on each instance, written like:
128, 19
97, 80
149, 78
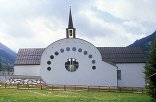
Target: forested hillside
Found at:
144, 43
7, 57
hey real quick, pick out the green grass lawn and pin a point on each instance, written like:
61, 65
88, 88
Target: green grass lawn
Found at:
13, 95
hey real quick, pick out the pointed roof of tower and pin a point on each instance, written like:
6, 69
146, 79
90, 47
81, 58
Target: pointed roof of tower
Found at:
70, 23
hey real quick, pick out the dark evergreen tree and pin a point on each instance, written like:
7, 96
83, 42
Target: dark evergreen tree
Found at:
1, 66
150, 68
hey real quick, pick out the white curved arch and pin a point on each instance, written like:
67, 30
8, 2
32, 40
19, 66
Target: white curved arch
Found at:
84, 75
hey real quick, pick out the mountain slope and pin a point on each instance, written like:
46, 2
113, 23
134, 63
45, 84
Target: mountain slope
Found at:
7, 56
144, 43
6, 49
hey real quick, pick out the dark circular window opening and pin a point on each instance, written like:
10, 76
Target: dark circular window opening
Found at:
85, 52
90, 56
93, 67
56, 53
71, 64
52, 57
80, 50
68, 49
93, 61
49, 68
74, 48
48, 62
62, 50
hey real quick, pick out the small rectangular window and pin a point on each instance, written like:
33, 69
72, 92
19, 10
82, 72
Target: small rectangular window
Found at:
119, 74
71, 32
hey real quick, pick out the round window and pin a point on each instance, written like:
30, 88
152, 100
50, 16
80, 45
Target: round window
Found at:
93, 61
93, 67
52, 57
90, 56
48, 62
68, 49
56, 53
61, 50
80, 50
71, 65
85, 52
74, 48
49, 68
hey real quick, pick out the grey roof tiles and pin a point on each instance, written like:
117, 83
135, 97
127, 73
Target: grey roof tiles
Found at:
122, 54
32, 56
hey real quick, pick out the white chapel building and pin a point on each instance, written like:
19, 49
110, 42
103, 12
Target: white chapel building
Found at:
74, 61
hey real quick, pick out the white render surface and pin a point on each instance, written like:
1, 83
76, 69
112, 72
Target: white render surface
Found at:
131, 75
27, 70
104, 75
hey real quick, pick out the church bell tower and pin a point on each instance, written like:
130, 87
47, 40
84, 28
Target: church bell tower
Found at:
70, 31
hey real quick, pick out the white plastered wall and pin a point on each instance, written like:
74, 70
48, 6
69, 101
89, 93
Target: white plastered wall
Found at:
27, 70
104, 75
132, 75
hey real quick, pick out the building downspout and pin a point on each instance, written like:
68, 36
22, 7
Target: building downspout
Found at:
117, 75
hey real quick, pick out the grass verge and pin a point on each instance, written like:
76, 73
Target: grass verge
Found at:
13, 95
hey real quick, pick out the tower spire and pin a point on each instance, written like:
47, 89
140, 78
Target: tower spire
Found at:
70, 31
70, 23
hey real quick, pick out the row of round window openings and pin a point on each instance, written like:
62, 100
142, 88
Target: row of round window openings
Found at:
93, 67
68, 49
49, 62
74, 49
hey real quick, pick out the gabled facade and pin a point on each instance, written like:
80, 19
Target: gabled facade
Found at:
74, 61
